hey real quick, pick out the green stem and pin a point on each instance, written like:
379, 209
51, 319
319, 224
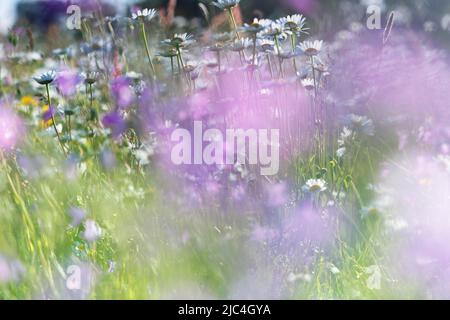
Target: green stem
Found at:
70, 128
219, 61
147, 50
314, 76
293, 40
183, 67
270, 66
254, 49
53, 118
91, 97
277, 44
233, 21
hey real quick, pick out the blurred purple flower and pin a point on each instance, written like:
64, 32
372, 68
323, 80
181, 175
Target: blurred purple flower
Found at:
92, 231
48, 114
122, 92
276, 195
67, 82
263, 234
32, 166
11, 128
115, 123
108, 159
10, 270
307, 224
77, 215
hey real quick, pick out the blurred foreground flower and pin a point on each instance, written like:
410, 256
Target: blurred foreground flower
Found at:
28, 101
77, 215
11, 270
47, 116
92, 231
115, 123
67, 82
122, 92
11, 128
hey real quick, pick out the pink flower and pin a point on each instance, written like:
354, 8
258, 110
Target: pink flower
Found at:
11, 128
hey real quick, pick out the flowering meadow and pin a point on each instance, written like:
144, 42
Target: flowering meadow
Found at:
356, 204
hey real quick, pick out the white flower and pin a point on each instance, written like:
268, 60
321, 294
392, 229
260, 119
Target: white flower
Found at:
274, 30
294, 23
374, 280
311, 48
315, 186
89, 77
265, 45
92, 231
262, 22
241, 44
45, 78
26, 57
308, 84
344, 138
257, 25
341, 152
146, 14
226, 4
360, 124
292, 277
134, 75
333, 269
180, 40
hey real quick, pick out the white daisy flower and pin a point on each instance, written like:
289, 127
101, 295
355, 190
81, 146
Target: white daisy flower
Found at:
45, 78
257, 25
265, 44
360, 124
146, 14
315, 186
89, 77
294, 23
241, 44
274, 30
308, 84
311, 48
180, 40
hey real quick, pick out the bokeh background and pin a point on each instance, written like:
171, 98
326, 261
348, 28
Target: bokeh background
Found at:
432, 15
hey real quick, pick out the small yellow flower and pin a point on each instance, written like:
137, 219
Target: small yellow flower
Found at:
48, 123
28, 101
